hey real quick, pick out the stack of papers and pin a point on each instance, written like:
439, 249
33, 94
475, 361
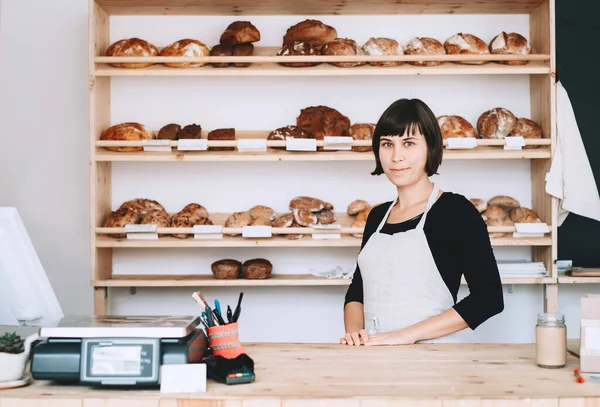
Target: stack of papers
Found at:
517, 268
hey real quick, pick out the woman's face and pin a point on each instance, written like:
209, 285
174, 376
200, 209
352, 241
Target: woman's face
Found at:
403, 158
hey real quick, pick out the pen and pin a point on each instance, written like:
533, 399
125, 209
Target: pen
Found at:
218, 307
209, 316
238, 309
219, 317
229, 314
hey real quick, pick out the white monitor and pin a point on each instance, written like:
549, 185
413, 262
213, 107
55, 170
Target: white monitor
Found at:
26, 296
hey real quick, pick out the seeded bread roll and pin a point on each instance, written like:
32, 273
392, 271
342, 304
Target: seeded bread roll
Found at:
383, 46
221, 50
343, 46
455, 127
424, 46
132, 47
240, 32
523, 215
262, 211
299, 48
129, 131
466, 44
185, 48
119, 219
362, 131
496, 123
238, 220
512, 44
504, 202
314, 32
169, 132
480, 204
226, 269
227, 134
257, 269
357, 206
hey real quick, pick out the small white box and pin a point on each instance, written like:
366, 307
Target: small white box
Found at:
186, 378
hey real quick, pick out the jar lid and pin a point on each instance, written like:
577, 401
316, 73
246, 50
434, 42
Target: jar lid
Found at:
551, 318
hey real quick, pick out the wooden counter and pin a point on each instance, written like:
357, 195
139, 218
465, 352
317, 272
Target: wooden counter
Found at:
292, 375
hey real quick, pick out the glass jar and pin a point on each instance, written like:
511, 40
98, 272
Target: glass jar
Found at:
551, 341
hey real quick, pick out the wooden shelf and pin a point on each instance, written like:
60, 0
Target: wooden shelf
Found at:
314, 7
579, 280
272, 69
276, 280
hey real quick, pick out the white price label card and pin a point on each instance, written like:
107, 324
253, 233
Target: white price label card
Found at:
300, 144
461, 143
252, 144
208, 232
183, 378
256, 231
135, 228
326, 236
514, 143
325, 227
191, 144
337, 143
142, 236
157, 145
532, 228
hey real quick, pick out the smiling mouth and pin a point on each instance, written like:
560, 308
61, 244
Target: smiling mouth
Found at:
399, 170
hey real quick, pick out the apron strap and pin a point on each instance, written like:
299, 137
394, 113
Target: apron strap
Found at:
430, 202
386, 215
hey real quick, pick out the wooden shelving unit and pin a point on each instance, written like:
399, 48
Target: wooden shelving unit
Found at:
540, 68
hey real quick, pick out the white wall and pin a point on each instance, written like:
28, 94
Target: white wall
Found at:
43, 97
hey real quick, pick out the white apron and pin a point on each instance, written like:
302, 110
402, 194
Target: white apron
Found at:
401, 283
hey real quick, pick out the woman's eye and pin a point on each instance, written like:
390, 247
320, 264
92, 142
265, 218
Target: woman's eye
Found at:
387, 144
409, 143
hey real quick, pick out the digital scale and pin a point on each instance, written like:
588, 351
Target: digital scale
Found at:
116, 350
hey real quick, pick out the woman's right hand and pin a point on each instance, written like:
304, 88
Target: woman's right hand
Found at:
355, 338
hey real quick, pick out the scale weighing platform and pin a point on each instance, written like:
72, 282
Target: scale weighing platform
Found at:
116, 350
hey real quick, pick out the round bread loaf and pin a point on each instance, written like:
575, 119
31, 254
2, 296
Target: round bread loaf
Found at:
496, 123
479, 204
357, 206
227, 134
243, 50
526, 128
129, 131
321, 121
257, 269
240, 32
169, 132
157, 217
455, 127
262, 211
132, 47
283, 221
304, 218
226, 269
466, 44
383, 46
196, 209
185, 219
494, 215
260, 221
523, 215
362, 131
185, 48
143, 206
119, 219
221, 50
326, 217
308, 203
504, 202
314, 32
512, 44
343, 46
299, 48
364, 214
238, 220
424, 46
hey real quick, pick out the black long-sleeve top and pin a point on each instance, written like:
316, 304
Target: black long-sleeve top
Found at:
460, 245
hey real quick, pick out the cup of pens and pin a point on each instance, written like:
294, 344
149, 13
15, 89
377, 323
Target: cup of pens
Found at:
222, 332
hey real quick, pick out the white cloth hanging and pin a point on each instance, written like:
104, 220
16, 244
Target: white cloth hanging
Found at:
570, 178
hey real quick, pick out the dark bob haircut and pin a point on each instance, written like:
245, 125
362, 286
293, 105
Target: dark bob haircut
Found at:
411, 114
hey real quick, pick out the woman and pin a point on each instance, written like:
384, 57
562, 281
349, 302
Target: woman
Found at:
416, 248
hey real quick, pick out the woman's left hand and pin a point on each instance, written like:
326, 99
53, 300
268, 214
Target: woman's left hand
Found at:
390, 338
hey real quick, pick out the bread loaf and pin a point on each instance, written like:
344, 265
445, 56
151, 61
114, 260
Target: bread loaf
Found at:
282, 133
360, 221
257, 269
142, 206
346, 47
362, 131
504, 202
169, 132
455, 127
512, 44
191, 131
242, 50
119, 219
308, 203
480, 204
527, 129
424, 46
523, 215
299, 48
494, 215
304, 218
260, 221
226, 269
321, 121
262, 211
240, 32
132, 47
326, 217
157, 217
496, 123
466, 44
357, 206
294, 236
221, 50
312, 31
185, 48
195, 209
383, 46
238, 220
283, 221
186, 219
125, 132
222, 134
